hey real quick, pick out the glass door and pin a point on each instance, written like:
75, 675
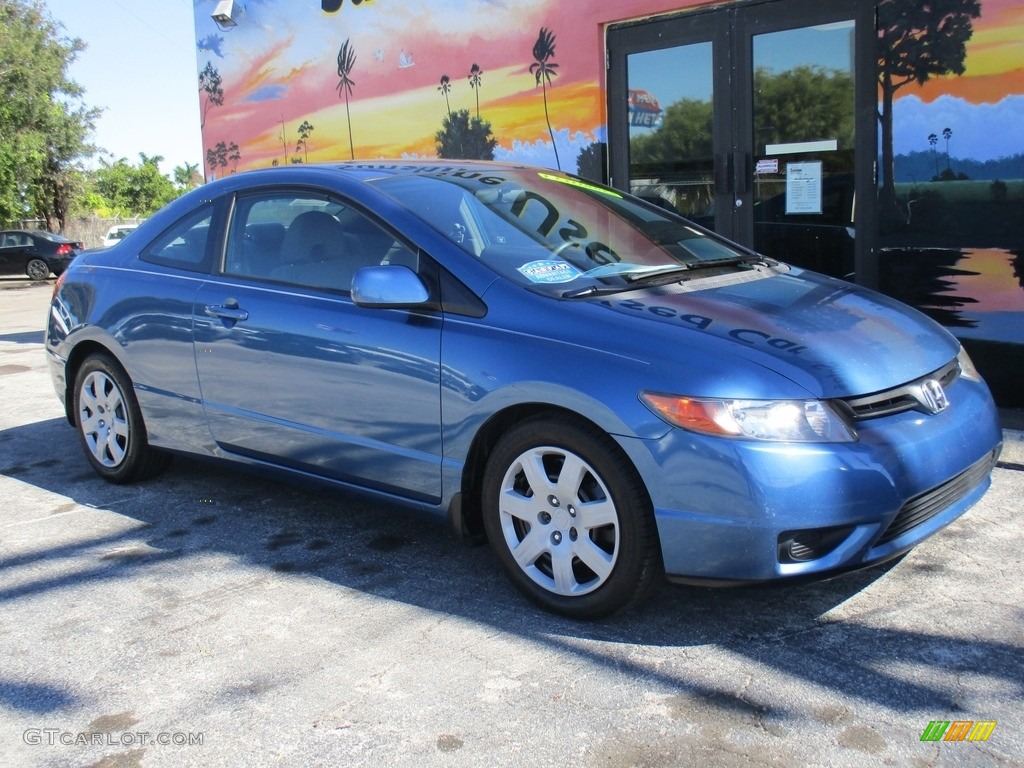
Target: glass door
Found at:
803, 120
669, 130
745, 120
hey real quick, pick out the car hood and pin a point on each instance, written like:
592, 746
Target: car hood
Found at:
832, 338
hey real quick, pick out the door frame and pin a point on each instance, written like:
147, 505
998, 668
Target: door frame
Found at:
730, 29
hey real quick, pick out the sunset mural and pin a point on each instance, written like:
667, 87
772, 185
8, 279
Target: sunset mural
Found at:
989, 93
278, 69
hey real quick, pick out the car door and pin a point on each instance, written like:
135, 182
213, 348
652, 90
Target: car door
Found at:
293, 373
13, 253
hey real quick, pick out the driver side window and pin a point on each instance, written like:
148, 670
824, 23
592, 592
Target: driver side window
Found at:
307, 239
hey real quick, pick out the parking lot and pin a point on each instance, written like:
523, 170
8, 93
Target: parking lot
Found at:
215, 618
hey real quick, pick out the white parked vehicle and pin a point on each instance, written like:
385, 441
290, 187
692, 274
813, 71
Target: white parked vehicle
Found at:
117, 233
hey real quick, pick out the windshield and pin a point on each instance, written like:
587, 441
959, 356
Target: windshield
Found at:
557, 233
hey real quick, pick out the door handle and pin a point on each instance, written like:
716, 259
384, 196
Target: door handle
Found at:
228, 310
724, 174
744, 171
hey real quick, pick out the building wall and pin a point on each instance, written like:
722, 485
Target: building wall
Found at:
955, 246
278, 69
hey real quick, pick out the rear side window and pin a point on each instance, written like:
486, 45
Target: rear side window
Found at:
185, 245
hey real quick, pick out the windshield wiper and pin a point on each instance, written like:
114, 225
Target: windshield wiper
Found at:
595, 290
667, 275
636, 277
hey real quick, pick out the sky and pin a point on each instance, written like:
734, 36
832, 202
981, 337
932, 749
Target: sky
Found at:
139, 66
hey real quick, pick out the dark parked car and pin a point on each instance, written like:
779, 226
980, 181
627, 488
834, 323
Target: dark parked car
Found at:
604, 391
36, 253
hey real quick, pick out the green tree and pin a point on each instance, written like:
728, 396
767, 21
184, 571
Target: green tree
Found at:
346, 63
210, 84
685, 132
187, 176
804, 103
134, 190
465, 138
543, 69
44, 123
916, 41
62, 177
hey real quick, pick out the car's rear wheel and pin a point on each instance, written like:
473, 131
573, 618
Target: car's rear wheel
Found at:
569, 519
37, 269
110, 424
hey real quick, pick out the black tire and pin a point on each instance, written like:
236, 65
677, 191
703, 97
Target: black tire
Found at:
37, 269
581, 543
110, 426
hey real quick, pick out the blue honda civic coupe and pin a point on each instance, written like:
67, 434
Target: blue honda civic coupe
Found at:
606, 392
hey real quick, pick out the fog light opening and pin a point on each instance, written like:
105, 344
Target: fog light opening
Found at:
804, 546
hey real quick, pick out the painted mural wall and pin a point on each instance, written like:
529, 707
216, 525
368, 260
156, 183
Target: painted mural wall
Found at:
952, 220
496, 79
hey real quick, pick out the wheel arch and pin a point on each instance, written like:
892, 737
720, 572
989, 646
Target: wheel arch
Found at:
467, 513
79, 354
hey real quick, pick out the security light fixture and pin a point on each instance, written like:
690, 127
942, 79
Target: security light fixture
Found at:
226, 13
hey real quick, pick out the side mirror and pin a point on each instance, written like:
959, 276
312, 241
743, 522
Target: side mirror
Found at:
393, 286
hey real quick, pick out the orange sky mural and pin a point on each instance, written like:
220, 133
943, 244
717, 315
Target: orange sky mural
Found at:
995, 58
984, 106
279, 68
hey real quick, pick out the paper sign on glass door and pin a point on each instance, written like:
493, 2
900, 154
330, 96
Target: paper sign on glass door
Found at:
803, 187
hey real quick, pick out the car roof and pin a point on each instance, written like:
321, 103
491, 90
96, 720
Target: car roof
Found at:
411, 167
364, 170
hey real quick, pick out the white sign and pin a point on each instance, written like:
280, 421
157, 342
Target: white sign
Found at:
769, 165
803, 187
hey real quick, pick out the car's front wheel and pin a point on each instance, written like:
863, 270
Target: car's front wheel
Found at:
110, 424
37, 269
569, 519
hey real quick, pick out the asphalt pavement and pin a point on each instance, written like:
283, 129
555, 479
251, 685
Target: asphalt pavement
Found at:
213, 618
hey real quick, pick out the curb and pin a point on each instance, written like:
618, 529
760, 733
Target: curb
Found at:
1013, 448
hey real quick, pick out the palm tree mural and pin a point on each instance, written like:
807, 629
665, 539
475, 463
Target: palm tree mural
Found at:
346, 62
544, 69
445, 87
947, 133
234, 154
282, 136
210, 84
475, 82
932, 141
304, 132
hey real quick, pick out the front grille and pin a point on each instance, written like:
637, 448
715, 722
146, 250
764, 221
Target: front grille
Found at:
926, 505
905, 397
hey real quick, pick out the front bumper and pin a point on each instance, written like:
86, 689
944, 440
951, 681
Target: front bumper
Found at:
739, 511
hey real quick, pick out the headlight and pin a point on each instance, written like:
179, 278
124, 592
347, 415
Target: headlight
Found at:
967, 369
798, 421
